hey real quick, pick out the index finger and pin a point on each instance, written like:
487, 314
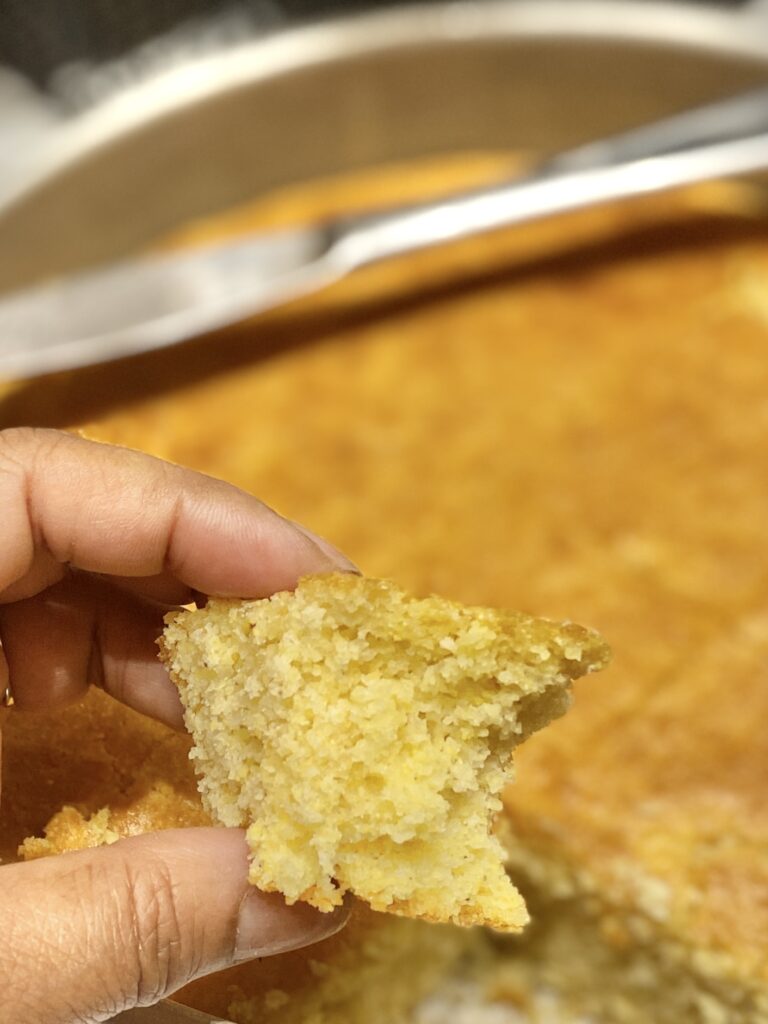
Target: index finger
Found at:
65, 501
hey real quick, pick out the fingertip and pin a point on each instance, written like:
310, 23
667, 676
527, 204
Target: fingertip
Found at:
267, 925
264, 923
338, 560
148, 689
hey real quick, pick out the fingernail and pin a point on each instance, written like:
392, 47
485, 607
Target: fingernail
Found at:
327, 548
266, 925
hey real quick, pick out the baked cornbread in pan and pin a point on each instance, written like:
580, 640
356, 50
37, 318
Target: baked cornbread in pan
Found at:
580, 435
363, 737
652, 875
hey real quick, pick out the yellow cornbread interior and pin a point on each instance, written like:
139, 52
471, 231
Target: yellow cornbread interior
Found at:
363, 737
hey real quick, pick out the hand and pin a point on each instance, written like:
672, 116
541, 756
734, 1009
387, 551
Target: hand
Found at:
94, 541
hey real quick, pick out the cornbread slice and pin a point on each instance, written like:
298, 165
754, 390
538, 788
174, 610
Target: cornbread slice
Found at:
363, 737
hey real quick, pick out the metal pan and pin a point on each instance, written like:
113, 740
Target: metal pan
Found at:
406, 82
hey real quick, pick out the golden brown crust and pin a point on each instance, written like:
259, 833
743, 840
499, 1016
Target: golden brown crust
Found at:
586, 437
93, 755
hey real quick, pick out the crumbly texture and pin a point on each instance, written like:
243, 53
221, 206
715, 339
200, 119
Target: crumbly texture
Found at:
161, 806
582, 433
74, 776
673, 893
609, 961
363, 737
610, 967
376, 969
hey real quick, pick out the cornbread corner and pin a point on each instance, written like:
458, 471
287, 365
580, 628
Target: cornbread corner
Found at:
364, 736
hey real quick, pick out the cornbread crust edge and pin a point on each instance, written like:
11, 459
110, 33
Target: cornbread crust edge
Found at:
363, 737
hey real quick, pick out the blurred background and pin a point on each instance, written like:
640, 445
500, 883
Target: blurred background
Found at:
42, 37
49, 41
528, 76
59, 57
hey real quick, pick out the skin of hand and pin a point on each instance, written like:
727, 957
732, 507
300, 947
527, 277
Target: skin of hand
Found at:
96, 542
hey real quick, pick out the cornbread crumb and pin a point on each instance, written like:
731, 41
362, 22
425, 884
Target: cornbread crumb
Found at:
363, 737
70, 830
160, 806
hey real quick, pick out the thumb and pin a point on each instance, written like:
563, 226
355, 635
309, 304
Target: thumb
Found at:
85, 935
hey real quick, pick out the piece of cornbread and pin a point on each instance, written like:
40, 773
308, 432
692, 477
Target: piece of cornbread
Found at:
363, 737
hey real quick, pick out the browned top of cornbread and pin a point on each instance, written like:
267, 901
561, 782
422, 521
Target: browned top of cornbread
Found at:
670, 818
89, 756
585, 437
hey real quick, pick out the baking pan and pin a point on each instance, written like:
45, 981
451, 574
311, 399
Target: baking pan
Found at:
390, 85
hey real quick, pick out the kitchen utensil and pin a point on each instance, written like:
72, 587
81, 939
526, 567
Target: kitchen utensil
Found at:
154, 302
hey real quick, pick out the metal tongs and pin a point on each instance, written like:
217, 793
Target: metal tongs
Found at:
150, 303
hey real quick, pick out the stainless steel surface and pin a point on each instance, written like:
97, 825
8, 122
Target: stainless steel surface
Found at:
149, 304
166, 1012
732, 119
541, 75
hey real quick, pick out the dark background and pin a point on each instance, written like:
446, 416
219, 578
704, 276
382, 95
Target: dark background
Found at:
39, 36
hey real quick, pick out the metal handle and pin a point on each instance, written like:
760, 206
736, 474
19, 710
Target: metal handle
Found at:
166, 1012
721, 140
727, 120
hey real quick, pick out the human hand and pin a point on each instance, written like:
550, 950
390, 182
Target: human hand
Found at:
94, 541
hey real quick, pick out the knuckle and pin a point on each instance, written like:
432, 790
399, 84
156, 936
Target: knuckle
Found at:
158, 947
48, 938
109, 939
